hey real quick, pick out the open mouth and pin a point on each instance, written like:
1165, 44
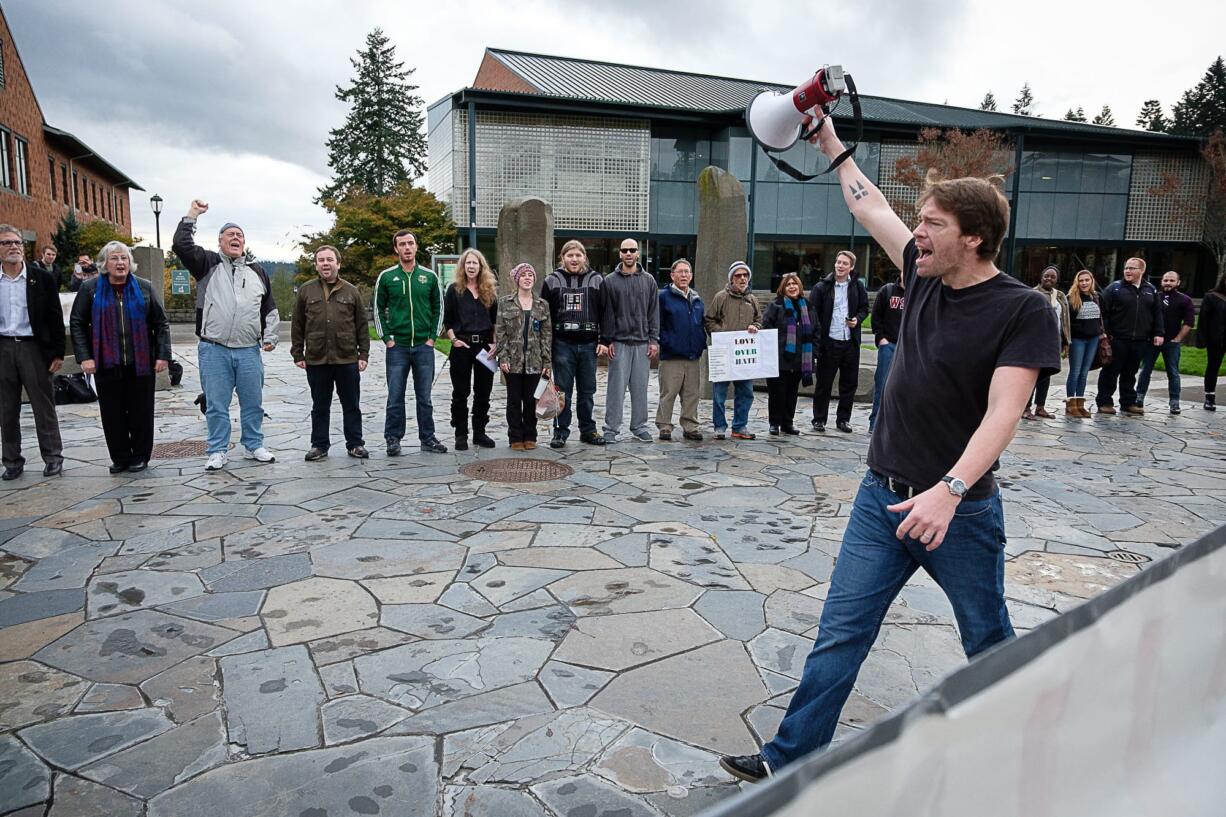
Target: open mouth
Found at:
924, 254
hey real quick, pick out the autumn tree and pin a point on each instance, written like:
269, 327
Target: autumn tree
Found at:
950, 154
364, 226
1206, 213
989, 102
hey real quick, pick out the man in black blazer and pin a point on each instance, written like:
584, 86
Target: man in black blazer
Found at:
840, 304
31, 350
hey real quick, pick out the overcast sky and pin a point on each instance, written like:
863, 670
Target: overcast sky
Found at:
232, 101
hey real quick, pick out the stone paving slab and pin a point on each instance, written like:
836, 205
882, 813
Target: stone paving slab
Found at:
393, 637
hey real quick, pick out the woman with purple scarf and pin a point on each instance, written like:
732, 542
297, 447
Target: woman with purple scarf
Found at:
120, 335
789, 314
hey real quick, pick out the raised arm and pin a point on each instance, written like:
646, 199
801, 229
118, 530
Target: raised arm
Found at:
867, 204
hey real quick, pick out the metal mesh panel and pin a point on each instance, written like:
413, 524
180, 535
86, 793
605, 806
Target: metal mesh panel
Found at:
901, 197
440, 150
593, 171
1160, 218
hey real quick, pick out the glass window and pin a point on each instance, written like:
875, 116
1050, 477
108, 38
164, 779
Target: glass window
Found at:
76, 190
23, 166
51, 166
678, 155
121, 210
64, 181
6, 177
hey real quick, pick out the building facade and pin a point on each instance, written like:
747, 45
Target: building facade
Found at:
45, 172
617, 150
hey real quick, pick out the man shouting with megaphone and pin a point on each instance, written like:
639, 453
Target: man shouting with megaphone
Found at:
971, 344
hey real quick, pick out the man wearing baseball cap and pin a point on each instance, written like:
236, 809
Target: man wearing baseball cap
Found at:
235, 317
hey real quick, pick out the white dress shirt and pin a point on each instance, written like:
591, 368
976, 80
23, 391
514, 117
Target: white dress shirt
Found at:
14, 310
838, 315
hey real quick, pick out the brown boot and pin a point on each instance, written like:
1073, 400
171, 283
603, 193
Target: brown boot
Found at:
1070, 407
1082, 411
1106, 409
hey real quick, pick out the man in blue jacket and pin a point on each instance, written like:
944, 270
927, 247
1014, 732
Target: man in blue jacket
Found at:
682, 340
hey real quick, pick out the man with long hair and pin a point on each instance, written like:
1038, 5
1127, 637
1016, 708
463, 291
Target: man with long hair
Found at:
573, 292
972, 343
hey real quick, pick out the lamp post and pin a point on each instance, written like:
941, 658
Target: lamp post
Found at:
156, 203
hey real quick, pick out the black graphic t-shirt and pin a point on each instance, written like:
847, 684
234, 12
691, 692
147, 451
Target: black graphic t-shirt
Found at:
950, 343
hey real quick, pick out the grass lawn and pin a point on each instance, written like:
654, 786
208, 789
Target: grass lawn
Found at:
1191, 361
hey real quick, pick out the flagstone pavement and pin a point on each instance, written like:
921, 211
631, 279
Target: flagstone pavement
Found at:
392, 637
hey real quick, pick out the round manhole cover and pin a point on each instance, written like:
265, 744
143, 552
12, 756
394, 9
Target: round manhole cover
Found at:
1128, 557
515, 469
180, 448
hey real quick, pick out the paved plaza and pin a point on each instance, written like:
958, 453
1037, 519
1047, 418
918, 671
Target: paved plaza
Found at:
394, 637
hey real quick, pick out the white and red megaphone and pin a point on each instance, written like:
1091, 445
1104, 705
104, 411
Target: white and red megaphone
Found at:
776, 120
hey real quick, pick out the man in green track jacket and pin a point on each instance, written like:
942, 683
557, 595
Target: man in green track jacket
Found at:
408, 316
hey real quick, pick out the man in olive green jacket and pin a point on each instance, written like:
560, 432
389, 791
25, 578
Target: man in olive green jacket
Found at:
330, 340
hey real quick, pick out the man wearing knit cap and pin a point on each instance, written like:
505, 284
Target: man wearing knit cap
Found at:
630, 336
733, 309
1059, 303
235, 318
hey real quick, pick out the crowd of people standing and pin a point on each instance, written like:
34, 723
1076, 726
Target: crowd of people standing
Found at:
120, 336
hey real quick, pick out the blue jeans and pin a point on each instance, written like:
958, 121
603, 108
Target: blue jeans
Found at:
742, 401
885, 359
1080, 358
872, 567
400, 361
1170, 359
574, 368
223, 371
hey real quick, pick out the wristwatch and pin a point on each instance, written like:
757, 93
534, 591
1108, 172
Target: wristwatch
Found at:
956, 486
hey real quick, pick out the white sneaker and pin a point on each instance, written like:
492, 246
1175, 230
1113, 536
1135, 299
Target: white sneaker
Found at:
216, 461
261, 454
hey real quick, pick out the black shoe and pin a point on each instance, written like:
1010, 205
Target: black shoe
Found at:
1210, 404
483, 440
557, 441
393, 448
433, 446
53, 469
819, 427
696, 436
844, 426
315, 454
666, 436
117, 469
137, 467
591, 438
359, 452
13, 472
793, 430
774, 431
461, 443
750, 768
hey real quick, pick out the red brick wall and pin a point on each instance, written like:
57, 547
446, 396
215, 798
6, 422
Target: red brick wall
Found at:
40, 211
494, 75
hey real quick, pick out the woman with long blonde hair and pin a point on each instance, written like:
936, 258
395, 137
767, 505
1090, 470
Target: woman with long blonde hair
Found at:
470, 310
1086, 325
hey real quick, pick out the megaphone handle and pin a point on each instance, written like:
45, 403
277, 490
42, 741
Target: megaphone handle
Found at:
807, 133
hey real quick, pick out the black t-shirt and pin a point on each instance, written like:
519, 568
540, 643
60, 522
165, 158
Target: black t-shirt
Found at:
950, 343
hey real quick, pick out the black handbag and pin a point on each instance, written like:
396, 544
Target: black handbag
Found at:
72, 388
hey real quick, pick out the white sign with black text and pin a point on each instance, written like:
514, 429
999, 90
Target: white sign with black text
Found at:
743, 355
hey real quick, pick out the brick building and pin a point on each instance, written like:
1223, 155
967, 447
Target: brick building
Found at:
45, 172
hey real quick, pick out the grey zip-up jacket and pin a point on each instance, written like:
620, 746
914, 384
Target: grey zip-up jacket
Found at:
234, 303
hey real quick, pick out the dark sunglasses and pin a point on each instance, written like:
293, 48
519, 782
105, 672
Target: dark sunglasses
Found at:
632, 249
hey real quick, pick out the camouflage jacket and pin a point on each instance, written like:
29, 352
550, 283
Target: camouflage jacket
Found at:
524, 357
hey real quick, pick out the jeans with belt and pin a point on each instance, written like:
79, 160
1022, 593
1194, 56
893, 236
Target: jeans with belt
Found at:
871, 569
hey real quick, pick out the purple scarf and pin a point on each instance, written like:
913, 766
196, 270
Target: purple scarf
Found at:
799, 329
108, 340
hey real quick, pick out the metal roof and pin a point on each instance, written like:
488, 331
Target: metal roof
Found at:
80, 150
616, 84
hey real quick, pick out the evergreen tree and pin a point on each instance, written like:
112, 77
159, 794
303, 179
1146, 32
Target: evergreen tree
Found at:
1104, 117
1202, 109
381, 143
1078, 115
67, 241
1025, 101
1151, 117
989, 102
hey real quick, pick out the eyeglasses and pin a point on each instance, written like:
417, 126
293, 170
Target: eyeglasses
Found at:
18, 242
630, 249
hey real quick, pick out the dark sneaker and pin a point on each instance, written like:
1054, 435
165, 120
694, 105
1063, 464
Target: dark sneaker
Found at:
482, 440
643, 436
793, 430
117, 469
315, 454
393, 448
666, 436
557, 442
433, 446
359, 451
819, 427
696, 436
1175, 408
844, 426
774, 431
461, 443
137, 467
12, 472
592, 438
54, 469
750, 768
720, 434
